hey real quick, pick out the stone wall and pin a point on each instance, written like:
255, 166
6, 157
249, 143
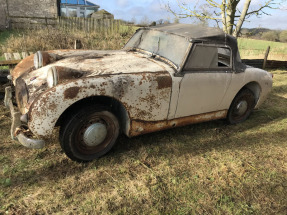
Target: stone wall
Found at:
30, 13
3, 12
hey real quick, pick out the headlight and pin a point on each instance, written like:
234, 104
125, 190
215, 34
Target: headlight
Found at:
38, 60
44, 58
58, 74
52, 77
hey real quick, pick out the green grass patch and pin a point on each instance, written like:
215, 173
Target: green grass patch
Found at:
4, 35
3, 67
251, 48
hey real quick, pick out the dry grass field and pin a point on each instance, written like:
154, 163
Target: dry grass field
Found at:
51, 38
207, 168
210, 168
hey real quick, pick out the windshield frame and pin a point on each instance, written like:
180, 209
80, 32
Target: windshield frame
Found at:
158, 56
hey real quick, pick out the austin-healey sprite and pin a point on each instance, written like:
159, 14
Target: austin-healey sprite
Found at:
165, 76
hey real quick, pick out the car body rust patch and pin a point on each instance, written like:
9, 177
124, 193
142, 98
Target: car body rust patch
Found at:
139, 127
163, 82
25, 66
71, 93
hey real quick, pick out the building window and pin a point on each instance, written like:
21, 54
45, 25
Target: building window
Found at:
72, 11
77, 8
63, 11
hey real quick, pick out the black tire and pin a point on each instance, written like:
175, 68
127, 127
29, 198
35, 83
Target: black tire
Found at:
241, 106
77, 134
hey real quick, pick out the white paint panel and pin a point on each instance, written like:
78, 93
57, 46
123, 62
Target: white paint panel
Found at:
202, 92
251, 75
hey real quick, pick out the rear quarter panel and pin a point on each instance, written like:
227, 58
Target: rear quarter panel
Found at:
251, 75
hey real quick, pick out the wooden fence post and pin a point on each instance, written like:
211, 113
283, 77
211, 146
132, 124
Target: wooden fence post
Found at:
78, 44
265, 58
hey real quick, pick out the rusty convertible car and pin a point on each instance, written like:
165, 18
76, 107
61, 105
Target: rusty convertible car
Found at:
166, 76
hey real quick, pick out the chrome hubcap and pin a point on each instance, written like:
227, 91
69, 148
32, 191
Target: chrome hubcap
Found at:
241, 108
95, 134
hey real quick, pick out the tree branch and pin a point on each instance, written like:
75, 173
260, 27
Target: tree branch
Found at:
223, 15
213, 3
192, 13
242, 18
267, 4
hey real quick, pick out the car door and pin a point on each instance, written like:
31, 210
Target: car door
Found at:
206, 77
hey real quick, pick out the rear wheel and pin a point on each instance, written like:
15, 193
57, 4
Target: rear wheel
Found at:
241, 107
89, 134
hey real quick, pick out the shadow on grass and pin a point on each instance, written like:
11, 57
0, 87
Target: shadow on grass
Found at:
194, 139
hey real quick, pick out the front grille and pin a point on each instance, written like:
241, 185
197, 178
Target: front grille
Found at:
21, 93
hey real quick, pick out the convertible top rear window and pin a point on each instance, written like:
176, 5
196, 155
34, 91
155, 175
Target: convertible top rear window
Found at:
208, 57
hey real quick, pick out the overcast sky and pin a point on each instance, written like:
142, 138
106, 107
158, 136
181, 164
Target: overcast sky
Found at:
155, 9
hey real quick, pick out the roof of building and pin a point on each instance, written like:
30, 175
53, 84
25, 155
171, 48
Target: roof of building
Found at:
78, 2
103, 12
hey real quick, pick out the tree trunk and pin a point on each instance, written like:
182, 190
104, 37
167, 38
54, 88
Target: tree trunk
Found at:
242, 18
223, 15
230, 13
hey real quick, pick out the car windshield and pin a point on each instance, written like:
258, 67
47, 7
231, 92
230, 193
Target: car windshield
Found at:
169, 46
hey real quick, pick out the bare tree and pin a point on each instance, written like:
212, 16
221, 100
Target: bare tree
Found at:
160, 21
224, 12
145, 21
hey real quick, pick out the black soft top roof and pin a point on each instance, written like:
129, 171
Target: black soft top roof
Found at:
206, 35
189, 31
196, 32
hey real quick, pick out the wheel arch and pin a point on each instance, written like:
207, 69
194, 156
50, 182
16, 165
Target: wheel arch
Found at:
243, 103
116, 107
255, 88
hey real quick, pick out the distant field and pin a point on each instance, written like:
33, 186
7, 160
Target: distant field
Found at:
255, 49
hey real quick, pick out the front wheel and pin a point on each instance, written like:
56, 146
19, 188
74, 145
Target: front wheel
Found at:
89, 133
241, 106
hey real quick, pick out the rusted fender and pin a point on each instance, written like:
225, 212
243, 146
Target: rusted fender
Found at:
24, 66
145, 96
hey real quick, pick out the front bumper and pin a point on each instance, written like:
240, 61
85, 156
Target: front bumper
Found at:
16, 130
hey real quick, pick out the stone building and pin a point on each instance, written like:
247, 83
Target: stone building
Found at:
19, 13
34, 13
3, 9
